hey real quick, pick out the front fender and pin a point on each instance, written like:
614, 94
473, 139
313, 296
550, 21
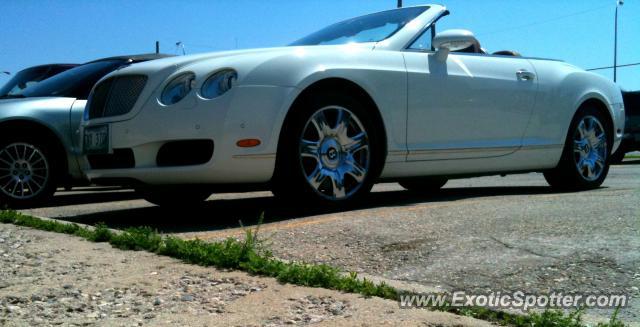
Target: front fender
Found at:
381, 74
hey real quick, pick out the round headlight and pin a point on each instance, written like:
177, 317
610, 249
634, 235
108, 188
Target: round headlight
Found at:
177, 89
218, 84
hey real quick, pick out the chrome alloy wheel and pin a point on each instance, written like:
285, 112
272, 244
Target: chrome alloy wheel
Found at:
24, 171
590, 148
334, 152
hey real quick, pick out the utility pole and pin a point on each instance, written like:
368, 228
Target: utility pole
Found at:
157, 47
399, 3
615, 42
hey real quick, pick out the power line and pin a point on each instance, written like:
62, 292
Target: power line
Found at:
611, 67
544, 21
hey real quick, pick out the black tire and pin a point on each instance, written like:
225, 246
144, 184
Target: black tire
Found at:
425, 185
184, 197
290, 179
618, 156
39, 169
566, 176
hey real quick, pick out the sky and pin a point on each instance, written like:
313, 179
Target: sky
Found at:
42, 31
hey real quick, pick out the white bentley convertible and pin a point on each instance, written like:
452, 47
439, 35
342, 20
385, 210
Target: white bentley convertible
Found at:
382, 97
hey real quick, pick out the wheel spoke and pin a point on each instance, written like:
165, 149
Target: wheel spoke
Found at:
33, 153
599, 160
37, 161
342, 123
16, 150
37, 184
8, 183
601, 141
590, 169
9, 154
32, 189
309, 149
15, 188
34, 175
582, 130
319, 120
356, 171
8, 163
317, 177
578, 145
356, 143
337, 182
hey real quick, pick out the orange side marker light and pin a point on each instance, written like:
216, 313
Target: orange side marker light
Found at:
248, 143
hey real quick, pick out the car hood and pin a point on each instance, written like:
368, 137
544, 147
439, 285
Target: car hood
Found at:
35, 101
171, 64
22, 107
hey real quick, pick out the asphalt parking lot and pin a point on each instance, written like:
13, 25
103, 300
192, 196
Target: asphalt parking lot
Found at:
492, 233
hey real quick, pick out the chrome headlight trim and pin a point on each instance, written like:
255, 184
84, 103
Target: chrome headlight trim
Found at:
177, 89
218, 83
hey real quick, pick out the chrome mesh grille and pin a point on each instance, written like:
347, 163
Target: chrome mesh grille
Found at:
116, 96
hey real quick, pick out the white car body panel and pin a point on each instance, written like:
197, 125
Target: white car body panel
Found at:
466, 95
436, 122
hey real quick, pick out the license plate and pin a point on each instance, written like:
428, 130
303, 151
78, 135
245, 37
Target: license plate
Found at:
96, 139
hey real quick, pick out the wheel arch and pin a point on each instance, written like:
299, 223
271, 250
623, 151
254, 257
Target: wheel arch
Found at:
333, 84
597, 102
40, 130
338, 84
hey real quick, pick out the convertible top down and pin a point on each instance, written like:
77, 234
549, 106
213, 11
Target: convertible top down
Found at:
385, 96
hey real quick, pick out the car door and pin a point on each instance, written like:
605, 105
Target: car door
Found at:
469, 106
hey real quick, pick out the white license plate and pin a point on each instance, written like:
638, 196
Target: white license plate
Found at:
96, 139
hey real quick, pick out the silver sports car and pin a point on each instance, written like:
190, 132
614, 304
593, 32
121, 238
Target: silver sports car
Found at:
39, 132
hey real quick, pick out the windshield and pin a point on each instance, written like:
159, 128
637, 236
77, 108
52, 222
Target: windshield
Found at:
29, 77
370, 28
74, 83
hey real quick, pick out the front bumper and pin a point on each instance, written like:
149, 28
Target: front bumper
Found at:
245, 112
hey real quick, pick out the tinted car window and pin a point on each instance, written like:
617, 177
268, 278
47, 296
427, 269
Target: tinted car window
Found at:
25, 78
74, 83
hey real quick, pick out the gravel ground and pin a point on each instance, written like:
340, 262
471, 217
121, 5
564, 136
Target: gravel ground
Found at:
52, 279
478, 234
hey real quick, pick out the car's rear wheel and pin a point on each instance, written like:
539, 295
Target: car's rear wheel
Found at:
331, 151
585, 159
175, 197
29, 171
424, 185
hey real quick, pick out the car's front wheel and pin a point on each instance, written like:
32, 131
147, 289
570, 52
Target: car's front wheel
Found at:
585, 159
331, 151
29, 171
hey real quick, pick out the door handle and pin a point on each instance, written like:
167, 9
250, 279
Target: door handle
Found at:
525, 75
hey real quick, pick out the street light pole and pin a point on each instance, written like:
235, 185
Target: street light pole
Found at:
615, 42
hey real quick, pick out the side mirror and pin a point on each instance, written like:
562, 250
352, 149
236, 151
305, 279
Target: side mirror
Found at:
453, 40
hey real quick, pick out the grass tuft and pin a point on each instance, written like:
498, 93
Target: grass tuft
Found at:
250, 255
